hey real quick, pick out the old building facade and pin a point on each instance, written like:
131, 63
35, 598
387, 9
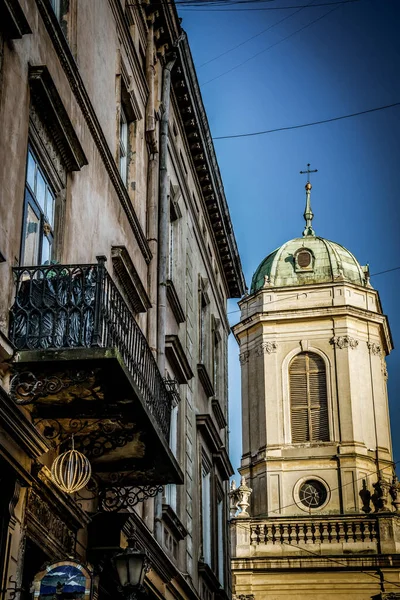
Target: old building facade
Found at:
117, 256
317, 458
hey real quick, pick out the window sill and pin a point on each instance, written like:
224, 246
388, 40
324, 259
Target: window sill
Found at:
175, 303
174, 523
206, 572
205, 380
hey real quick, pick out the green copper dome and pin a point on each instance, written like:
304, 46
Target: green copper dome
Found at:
308, 260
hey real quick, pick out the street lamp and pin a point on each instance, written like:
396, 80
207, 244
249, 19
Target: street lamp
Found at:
132, 565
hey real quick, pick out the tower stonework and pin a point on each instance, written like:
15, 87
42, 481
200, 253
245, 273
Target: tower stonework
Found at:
316, 432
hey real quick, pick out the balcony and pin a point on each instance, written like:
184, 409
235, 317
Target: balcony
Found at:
85, 368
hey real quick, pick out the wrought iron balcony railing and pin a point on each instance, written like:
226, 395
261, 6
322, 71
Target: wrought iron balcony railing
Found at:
79, 306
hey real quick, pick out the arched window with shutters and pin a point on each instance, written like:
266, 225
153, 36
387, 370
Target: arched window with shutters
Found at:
308, 398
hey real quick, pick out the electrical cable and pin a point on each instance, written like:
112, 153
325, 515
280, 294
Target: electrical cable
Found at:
356, 114
269, 47
199, 6
310, 292
253, 37
198, 9
326, 557
319, 555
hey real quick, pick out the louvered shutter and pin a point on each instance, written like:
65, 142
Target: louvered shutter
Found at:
308, 398
298, 399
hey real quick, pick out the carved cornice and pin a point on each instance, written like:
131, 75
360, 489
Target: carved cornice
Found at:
261, 349
13, 20
175, 303
266, 348
173, 522
344, 341
244, 357
214, 443
129, 279
78, 89
52, 112
200, 144
205, 380
218, 413
374, 348
47, 527
176, 356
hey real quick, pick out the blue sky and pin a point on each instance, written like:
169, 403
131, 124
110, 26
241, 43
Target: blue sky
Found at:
346, 62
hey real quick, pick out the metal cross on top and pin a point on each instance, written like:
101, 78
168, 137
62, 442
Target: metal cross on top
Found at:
308, 171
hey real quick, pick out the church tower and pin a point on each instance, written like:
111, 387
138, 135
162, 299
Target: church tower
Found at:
316, 432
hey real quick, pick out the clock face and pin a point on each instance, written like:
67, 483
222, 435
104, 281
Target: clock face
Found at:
312, 493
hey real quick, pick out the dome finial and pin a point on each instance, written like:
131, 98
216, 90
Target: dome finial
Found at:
308, 213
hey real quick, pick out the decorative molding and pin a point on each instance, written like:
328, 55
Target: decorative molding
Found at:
129, 279
344, 341
384, 370
26, 387
174, 523
50, 526
175, 303
244, 357
266, 348
218, 413
205, 380
304, 345
374, 348
13, 21
20, 429
211, 436
48, 103
78, 89
175, 354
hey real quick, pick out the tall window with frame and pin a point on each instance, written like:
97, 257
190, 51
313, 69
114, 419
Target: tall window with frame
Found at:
220, 537
123, 145
206, 510
216, 338
203, 326
38, 223
308, 398
170, 489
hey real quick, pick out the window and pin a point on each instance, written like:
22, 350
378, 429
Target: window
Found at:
203, 328
38, 226
123, 146
220, 539
170, 489
308, 398
56, 6
313, 493
206, 511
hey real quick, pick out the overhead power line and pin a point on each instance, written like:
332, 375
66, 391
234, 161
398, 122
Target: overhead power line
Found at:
264, 8
271, 46
254, 36
295, 295
356, 114
215, 4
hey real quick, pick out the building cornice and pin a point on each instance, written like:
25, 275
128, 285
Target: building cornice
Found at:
319, 312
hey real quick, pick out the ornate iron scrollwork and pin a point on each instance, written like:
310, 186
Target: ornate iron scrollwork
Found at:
26, 388
92, 437
172, 386
116, 496
114, 499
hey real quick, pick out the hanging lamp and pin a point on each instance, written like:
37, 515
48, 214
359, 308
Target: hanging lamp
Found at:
71, 470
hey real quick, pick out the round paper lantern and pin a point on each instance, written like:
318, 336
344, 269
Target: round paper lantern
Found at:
71, 471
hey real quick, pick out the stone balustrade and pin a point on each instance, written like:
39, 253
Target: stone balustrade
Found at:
327, 530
